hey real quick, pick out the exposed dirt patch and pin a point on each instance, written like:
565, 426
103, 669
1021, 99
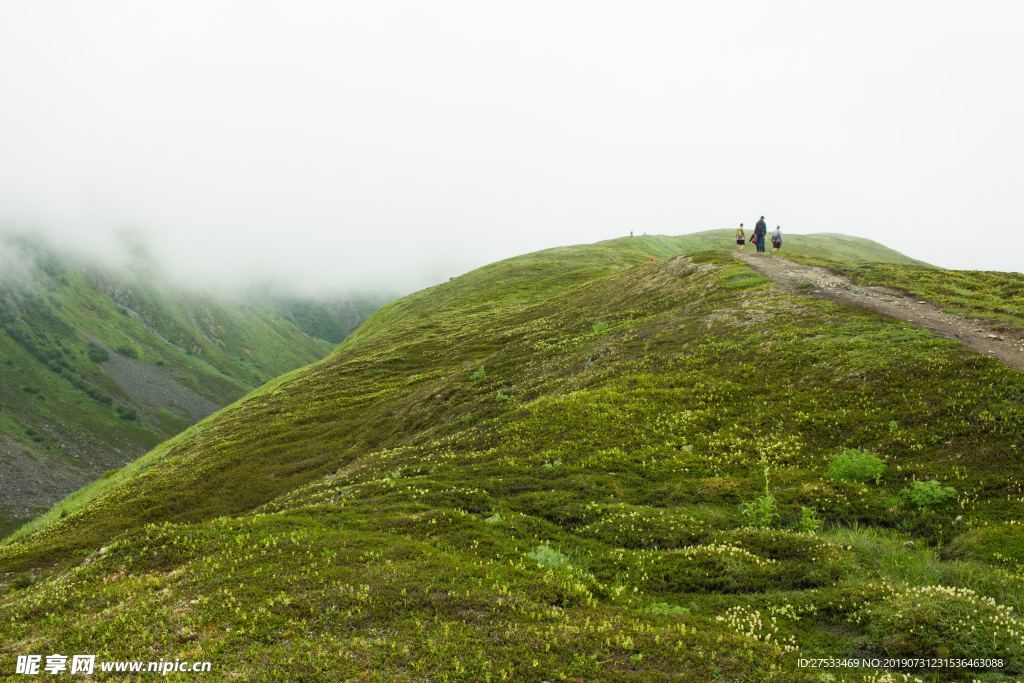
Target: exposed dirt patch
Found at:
996, 341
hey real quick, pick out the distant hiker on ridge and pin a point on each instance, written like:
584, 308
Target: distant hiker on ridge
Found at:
760, 230
741, 237
777, 238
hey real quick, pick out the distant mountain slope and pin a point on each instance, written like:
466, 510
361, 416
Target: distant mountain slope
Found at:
332, 321
636, 460
96, 368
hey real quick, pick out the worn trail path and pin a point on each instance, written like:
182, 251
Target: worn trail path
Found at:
999, 342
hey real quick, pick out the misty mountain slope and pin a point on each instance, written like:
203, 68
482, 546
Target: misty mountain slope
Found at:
98, 367
332, 320
555, 467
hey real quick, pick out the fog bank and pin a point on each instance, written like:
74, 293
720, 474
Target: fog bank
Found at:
389, 145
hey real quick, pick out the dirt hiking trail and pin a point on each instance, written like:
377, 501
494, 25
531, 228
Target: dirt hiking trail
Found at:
998, 341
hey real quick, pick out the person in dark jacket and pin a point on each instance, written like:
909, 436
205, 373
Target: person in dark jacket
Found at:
760, 231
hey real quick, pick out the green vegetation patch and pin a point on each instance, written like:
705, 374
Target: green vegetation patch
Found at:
853, 464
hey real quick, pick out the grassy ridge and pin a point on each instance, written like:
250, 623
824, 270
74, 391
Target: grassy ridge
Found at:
817, 248
536, 471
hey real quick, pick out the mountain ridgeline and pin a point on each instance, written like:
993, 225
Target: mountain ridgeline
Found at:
97, 367
634, 460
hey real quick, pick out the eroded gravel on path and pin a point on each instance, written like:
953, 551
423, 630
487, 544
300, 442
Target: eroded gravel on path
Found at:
993, 339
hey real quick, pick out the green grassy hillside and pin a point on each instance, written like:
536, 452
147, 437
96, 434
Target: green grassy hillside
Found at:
96, 369
635, 460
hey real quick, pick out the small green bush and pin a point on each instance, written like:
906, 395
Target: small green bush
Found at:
547, 556
127, 351
667, 608
809, 520
126, 413
761, 512
928, 494
853, 464
500, 397
478, 375
97, 354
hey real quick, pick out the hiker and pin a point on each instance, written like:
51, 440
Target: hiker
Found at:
777, 238
760, 230
741, 237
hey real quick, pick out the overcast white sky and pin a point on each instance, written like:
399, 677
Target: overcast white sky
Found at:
332, 144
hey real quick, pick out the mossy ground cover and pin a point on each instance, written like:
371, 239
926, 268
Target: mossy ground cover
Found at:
386, 515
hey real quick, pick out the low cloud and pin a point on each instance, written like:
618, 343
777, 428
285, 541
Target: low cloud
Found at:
325, 147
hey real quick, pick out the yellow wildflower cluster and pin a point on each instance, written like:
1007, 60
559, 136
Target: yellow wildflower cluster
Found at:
750, 624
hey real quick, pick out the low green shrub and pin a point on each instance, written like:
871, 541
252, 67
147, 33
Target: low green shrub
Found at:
853, 464
924, 495
127, 351
809, 520
126, 413
761, 512
547, 556
97, 354
667, 608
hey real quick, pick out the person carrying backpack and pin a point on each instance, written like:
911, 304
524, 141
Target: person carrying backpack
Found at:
777, 238
760, 230
741, 237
